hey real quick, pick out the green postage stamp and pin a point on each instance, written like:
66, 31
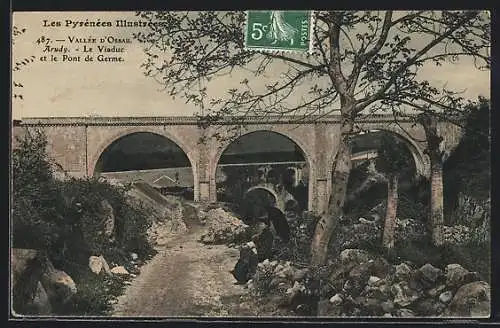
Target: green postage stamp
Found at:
278, 30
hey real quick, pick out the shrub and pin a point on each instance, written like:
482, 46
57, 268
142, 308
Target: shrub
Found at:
67, 219
95, 292
87, 215
35, 211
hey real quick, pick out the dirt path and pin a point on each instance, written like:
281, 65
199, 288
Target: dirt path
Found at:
185, 278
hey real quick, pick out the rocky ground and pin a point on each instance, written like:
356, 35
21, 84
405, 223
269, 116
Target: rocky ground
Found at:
185, 278
190, 277
361, 284
198, 247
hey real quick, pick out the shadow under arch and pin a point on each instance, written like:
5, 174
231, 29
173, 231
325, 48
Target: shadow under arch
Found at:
418, 156
416, 153
109, 142
253, 204
308, 158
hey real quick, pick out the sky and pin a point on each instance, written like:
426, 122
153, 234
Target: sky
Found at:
69, 89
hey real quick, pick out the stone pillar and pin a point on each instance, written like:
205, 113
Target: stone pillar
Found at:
203, 167
207, 167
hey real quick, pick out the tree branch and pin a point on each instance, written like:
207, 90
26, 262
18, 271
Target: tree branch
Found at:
363, 103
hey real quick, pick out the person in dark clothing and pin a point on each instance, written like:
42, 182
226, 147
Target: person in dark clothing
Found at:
246, 266
279, 222
263, 240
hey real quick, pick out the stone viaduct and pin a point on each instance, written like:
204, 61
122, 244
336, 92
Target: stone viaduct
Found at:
76, 143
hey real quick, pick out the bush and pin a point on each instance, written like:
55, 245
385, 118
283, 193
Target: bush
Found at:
87, 226
67, 220
95, 292
36, 198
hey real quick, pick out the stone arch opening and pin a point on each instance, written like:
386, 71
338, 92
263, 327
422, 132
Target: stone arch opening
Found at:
374, 137
254, 202
259, 158
147, 157
367, 185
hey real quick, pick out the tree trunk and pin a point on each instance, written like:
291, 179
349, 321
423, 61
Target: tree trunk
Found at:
436, 219
391, 211
437, 213
329, 220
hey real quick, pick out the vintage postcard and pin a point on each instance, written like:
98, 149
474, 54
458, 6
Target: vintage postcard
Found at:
277, 164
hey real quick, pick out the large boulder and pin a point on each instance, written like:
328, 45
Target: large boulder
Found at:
119, 270
224, 228
348, 260
95, 264
403, 272
98, 264
353, 257
358, 277
37, 287
456, 275
431, 273
471, 300
59, 286
403, 294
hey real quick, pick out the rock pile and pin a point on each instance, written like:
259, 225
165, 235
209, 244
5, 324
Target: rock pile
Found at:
283, 284
362, 284
170, 223
224, 228
359, 283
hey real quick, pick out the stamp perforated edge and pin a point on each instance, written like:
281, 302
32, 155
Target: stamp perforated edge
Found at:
310, 50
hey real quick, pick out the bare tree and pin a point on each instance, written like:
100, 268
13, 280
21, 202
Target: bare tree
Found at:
19, 63
393, 159
363, 62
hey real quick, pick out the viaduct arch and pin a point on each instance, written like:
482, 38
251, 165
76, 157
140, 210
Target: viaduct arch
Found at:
292, 137
76, 143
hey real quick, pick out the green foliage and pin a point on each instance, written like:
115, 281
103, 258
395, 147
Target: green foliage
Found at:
95, 292
468, 167
262, 281
411, 208
35, 211
393, 156
67, 219
238, 179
